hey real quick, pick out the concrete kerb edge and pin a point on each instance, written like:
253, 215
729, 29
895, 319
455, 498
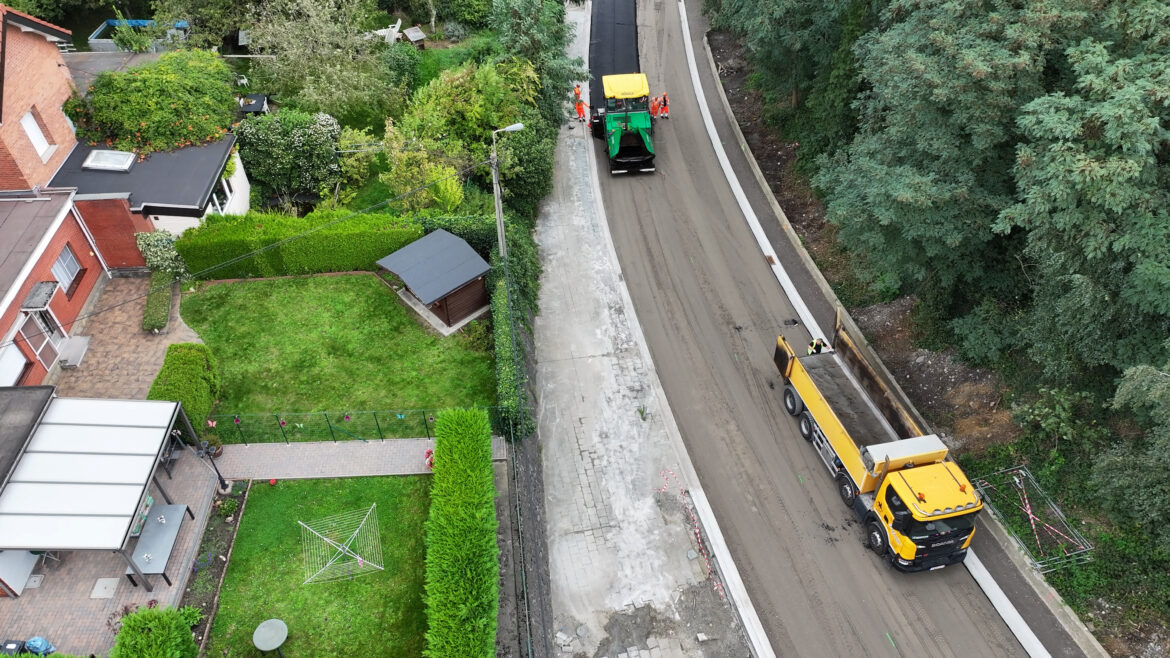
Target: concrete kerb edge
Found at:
1071, 623
732, 581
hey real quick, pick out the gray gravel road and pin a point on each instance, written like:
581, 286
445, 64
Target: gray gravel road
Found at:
711, 311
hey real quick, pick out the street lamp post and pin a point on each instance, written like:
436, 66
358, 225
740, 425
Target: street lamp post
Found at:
205, 451
496, 188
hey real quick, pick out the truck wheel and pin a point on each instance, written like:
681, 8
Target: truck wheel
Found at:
792, 403
846, 489
875, 538
806, 425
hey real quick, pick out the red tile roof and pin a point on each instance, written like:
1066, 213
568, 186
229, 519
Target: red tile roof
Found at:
5, 9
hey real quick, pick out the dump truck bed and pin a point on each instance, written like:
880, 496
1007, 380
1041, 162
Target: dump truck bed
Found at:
849, 403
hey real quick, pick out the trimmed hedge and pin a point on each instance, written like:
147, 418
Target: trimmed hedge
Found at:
158, 301
354, 244
462, 569
509, 379
189, 375
155, 633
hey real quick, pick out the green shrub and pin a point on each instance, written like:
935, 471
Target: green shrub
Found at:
158, 301
185, 98
290, 152
462, 566
188, 375
354, 244
155, 633
158, 250
228, 507
189, 613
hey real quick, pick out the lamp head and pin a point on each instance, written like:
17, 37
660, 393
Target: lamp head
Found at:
510, 129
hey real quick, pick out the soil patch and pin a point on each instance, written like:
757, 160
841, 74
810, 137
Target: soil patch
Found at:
212, 558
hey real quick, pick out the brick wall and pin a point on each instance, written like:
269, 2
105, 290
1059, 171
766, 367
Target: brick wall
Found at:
64, 308
34, 77
113, 227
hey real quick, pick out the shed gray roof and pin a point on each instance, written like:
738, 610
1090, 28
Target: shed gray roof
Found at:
435, 265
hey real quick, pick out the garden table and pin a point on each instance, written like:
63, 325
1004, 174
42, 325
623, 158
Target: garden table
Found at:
269, 635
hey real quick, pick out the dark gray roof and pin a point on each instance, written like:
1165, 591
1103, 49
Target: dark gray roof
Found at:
21, 408
23, 224
178, 182
39, 295
435, 265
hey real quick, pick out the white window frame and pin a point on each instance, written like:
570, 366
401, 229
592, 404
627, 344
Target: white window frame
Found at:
32, 128
226, 189
66, 267
12, 364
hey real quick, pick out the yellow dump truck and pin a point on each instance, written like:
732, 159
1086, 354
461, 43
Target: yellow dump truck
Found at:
918, 508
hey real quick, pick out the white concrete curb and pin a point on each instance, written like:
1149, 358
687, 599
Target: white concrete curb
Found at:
990, 588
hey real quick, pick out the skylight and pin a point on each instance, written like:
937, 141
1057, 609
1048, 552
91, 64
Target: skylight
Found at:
109, 160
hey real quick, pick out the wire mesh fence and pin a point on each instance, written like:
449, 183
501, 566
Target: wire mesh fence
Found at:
1035, 522
295, 427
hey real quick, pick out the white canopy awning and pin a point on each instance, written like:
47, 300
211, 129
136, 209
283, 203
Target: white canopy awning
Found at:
85, 471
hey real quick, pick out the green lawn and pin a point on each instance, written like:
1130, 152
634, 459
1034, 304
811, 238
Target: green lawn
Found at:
377, 614
331, 343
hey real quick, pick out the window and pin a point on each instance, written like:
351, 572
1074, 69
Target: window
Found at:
221, 197
32, 128
13, 365
66, 268
106, 160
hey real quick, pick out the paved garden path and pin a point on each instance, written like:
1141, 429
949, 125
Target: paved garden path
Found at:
122, 359
327, 459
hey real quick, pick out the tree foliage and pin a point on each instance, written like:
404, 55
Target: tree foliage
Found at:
323, 59
289, 152
1094, 188
209, 22
182, 99
1131, 478
535, 31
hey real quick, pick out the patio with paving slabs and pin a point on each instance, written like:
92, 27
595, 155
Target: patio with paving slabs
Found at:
122, 359
61, 610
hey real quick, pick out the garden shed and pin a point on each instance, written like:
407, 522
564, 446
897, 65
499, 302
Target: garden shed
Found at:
444, 273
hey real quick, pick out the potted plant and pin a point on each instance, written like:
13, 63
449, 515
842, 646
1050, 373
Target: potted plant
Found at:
214, 445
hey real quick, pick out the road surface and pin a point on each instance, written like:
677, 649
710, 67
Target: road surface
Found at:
711, 310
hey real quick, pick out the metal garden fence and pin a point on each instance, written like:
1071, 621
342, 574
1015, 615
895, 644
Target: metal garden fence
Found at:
1035, 522
295, 427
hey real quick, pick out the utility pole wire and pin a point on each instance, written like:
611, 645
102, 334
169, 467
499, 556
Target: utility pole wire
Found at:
261, 250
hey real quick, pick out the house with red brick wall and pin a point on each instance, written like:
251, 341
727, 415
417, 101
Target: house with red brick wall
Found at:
69, 211
49, 268
35, 134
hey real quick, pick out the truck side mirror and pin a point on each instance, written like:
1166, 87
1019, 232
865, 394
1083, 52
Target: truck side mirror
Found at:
901, 521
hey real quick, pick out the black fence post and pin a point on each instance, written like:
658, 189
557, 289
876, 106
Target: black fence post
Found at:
378, 425
330, 424
280, 424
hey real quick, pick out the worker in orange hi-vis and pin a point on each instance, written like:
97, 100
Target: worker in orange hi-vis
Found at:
581, 105
654, 106
577, 91
664, 107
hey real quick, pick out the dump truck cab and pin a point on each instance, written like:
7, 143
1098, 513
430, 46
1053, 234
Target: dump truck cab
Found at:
918, 508
624, 123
